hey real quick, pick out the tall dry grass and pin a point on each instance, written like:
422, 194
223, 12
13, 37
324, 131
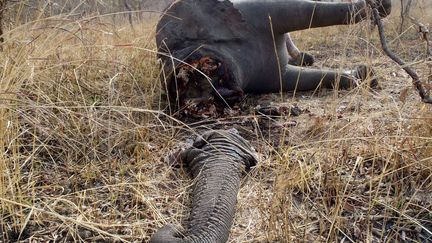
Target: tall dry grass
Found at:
82, 131
85, 135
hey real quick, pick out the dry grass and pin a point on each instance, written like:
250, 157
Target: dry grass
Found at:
84, 138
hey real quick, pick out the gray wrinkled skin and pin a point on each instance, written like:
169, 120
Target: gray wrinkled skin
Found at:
245, 35
217, 160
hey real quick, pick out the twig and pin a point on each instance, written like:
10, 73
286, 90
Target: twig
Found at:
423, 92
424, 32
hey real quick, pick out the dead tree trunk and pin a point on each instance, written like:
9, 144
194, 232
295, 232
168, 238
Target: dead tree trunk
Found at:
140, 8
405, 12
129, 9
2, 10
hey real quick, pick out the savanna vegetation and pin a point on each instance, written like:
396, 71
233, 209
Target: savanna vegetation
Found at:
86, 135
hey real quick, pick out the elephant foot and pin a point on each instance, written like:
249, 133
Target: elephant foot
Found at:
366, 74
303, 60
361, 74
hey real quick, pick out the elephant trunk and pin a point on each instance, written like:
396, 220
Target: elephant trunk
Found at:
214, 194
217, 161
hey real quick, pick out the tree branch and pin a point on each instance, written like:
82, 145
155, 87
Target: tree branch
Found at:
424, 32
423, 92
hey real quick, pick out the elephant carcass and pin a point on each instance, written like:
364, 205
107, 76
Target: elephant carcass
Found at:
219, 50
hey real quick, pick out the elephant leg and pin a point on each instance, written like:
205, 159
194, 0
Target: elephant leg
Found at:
303, 79
316, 14
297, 57
287, 16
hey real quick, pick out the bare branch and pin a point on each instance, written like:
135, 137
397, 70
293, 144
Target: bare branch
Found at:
424, 32
423, 92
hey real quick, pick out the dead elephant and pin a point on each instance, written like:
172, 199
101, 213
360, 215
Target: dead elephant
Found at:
219, 49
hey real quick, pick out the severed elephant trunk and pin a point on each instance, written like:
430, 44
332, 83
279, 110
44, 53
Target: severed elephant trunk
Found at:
217, 161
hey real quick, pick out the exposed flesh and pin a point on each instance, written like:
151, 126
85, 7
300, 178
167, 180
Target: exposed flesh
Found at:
204, 86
